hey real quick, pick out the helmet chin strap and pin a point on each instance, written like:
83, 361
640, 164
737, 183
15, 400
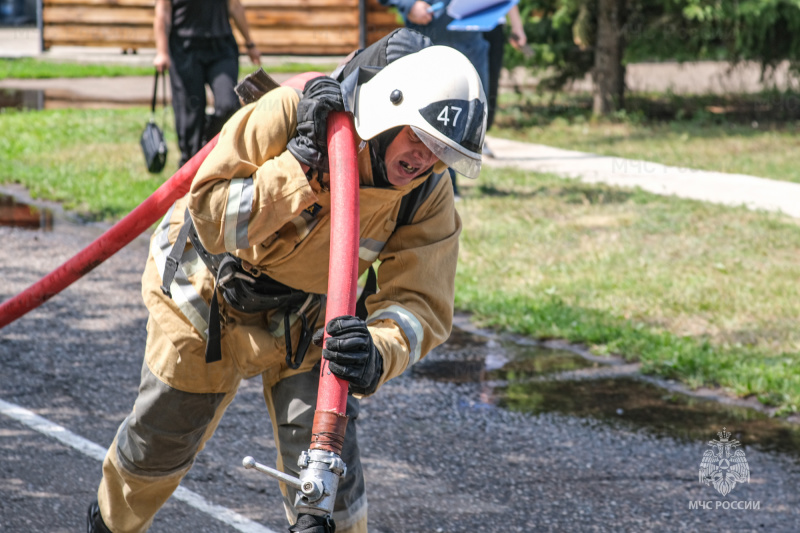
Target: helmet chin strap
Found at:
377, 147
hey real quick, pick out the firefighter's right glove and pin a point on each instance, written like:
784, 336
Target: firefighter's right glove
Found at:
310, 145
352, 355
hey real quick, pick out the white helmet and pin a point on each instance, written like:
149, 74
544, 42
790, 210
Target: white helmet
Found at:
439, 94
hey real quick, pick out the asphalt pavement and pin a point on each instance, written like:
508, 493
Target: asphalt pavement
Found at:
443, 448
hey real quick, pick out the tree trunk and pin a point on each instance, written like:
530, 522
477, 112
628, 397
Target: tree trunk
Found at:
608, 74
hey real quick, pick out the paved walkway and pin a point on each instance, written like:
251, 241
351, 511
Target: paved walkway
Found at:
717, 187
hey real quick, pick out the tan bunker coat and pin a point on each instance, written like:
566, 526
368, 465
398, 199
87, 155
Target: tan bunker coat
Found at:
251, 198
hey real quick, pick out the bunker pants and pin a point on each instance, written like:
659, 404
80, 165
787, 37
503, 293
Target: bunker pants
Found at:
155, 447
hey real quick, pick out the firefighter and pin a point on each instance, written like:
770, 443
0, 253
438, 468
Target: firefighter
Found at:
248, 285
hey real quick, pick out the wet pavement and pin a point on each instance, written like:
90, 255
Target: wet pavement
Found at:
17, 214
532, 378
36, 96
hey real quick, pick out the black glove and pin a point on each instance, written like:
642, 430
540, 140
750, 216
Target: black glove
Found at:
310, 145
351, 354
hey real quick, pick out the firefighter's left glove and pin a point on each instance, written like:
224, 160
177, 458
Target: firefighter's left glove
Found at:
310, 145
352, 355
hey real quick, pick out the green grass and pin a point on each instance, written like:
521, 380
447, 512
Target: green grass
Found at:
697, 292
299, 68
702, 293
742, 134
88, 159
25, 68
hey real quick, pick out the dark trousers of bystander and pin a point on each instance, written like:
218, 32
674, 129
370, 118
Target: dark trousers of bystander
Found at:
497, 43
196, 63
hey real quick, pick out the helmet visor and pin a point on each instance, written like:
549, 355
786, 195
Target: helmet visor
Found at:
458, 160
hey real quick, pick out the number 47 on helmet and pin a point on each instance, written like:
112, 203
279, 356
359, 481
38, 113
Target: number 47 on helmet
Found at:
438, 93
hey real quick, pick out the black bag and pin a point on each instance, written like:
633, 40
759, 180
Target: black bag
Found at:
152, 140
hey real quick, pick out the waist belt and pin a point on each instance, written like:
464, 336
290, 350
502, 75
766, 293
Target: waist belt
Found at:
247, 291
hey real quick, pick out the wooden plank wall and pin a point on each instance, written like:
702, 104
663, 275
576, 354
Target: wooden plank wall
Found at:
295, 27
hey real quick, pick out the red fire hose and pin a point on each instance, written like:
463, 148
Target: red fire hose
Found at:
123, 232
330, 420
321, 467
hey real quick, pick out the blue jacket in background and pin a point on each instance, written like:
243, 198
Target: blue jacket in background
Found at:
470, 43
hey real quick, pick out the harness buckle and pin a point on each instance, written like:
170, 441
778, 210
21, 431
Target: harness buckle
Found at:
171, 264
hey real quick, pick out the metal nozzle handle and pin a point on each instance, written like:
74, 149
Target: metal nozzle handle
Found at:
250, 463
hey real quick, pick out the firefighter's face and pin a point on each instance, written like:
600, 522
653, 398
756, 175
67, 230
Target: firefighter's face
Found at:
407, 157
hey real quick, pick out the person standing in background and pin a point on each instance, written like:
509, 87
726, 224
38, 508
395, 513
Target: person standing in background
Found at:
422, 17
195, 41
497, 43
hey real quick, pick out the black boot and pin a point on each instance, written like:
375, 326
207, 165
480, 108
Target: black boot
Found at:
94, 522
307, 523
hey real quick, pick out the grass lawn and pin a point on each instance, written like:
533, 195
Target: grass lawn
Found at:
697, 292
88, 159
35, 68
756, 135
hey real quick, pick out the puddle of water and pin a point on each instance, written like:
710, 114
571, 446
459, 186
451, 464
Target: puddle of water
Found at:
516, 378
20, 215
509, 363
38, 99
28, 99
631, 401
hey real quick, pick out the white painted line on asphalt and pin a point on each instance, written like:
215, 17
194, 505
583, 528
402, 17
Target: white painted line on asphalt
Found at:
95, 451
51, 429
223, 514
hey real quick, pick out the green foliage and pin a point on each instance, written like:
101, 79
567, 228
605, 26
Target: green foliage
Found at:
561, 32
762, 30
548, 27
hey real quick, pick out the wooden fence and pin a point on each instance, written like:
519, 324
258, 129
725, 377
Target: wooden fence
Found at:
295, 27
